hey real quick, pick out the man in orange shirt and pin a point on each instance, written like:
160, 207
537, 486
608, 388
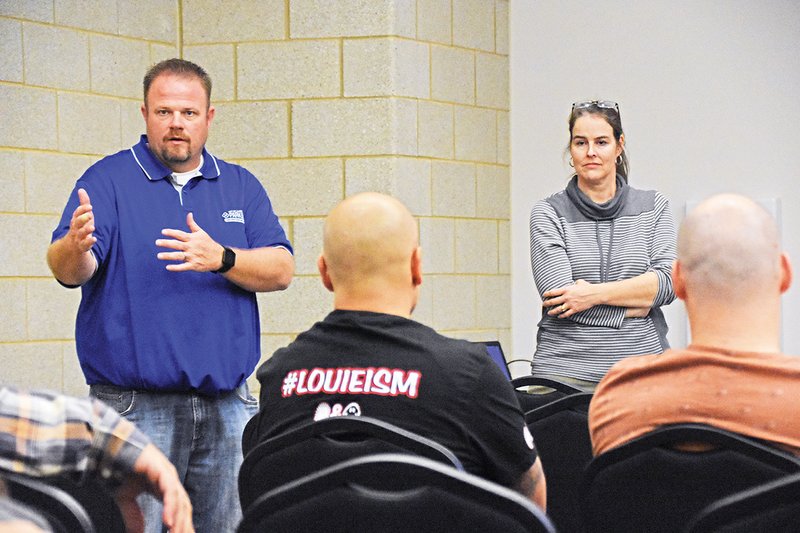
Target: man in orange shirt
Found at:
730, 273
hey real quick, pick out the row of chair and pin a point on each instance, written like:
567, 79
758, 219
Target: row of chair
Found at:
653, 483
350, 473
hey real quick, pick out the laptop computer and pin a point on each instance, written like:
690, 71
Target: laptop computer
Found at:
495, 351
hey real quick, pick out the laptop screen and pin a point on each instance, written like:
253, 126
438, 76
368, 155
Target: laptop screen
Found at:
495, 351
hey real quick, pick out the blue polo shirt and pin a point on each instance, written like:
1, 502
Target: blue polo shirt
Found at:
141, 326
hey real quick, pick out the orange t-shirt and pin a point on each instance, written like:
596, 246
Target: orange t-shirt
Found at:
754, 394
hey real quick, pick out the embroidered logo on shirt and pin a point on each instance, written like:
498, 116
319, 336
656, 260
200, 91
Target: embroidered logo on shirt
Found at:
233, 215
379, 381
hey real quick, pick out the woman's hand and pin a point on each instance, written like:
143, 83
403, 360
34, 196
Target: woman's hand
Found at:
570, 299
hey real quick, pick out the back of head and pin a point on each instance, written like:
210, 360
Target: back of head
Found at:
368, 243
729, 251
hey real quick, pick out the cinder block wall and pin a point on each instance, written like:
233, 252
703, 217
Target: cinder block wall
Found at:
319, 98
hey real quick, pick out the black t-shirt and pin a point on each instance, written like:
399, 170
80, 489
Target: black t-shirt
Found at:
402, 372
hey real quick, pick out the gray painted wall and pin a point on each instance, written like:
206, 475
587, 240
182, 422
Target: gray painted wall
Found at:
709, 94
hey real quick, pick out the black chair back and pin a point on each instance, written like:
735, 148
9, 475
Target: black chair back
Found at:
62, 511
773, 506
393, 493
316, 445
649, 485
561, 432
529, 401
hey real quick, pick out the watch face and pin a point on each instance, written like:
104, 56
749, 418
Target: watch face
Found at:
228, 260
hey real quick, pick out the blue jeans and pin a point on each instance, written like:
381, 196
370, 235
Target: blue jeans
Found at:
202, 436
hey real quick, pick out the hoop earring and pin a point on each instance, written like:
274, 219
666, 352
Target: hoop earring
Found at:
618, 161
571, 163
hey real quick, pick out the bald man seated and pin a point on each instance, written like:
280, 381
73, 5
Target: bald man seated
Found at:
368, 357
730, 273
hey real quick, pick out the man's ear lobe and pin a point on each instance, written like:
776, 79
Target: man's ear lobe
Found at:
786, 273
322, 266
416, 266
678, 283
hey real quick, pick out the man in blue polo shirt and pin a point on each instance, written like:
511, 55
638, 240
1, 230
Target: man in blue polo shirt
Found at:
169, 245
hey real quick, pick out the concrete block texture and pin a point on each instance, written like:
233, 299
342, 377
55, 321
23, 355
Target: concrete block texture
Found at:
476, 134
453, 189
159, 52
452, 301
155, 20
12, 181
407, 179
307, 243
269, 344
476, 246
504, 247
22, 365
218, 60
89, 124
250, 129
25, 256
434, 21
501, 27
14, 310
118, 65
131, 122
491, 80
300, 69
46, 48
473, 24
74, 380
372, 126
492, 297
49, 179
452, 74
95, 15
351, 18
503, 134
11, 45
301, 187
494, 192
207, 21
435, 129
28, 116
437, 237
41, 10
386, 67
51, 310
296, 309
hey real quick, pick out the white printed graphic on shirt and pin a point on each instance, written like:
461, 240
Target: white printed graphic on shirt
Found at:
379, 381
327, 411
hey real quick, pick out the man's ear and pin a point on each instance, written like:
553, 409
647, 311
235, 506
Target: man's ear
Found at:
786, 273
678, 283
416, 266
144, 111
322, 266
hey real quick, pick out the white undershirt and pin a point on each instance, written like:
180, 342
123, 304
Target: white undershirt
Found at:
179, 179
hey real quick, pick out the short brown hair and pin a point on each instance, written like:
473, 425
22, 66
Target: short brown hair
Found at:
179, 67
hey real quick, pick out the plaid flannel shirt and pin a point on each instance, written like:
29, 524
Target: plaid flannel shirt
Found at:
44, 433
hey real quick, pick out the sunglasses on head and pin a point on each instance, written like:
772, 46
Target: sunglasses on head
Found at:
604, 104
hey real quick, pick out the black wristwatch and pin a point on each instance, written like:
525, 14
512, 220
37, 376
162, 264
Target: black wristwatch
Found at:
228, 260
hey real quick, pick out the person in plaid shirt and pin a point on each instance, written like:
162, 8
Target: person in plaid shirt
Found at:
45, 434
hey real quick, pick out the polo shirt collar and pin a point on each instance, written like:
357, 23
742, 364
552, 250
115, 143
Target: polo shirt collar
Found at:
156, 170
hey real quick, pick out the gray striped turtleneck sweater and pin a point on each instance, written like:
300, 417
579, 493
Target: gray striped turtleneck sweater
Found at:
570, 242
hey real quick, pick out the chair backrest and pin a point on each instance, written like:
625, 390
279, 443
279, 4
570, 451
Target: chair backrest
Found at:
649, 485
773, 506
97, 501
561, 432
62, 511
393, 493
529, 401
323, 443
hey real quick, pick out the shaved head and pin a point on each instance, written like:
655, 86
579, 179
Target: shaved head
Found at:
370, 243
728, 248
